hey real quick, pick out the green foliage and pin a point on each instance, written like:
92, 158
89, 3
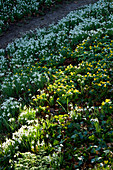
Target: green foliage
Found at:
29, 160
56, 100
26, 115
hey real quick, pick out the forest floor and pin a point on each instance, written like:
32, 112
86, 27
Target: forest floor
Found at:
50, 16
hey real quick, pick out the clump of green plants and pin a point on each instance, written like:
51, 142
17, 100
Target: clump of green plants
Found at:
55, 95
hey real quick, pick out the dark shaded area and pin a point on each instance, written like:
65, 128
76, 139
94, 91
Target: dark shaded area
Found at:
17, 29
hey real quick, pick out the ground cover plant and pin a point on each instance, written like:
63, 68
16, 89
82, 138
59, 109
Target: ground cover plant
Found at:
56, 97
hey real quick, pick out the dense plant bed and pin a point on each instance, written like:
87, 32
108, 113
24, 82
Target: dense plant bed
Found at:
56, 94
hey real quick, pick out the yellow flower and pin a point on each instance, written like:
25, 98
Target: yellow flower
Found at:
103, 103
44, 108
107, 100
76, 91
106, 162
71, 74
90, 47
28, 89
41, 97
99, 84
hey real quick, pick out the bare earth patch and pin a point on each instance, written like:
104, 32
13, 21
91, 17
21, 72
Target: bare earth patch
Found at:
53, 15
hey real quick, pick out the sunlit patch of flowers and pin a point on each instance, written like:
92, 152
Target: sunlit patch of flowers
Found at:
64, 76
106, 101
26, 116
23, 82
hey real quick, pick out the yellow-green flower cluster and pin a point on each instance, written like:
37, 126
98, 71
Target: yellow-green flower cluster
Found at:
106, 101
64, 84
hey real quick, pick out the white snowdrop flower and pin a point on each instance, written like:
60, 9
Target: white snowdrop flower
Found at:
95, 146
80, 158
19, 141
84, 118
17, 147
61, 145
59, 149
32, 142
101, 164
92, 107
47, 135
3, 114
53, 155
94, 120
8, 114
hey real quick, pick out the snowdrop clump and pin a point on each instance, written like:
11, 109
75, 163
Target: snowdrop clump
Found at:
9, 108
64, 73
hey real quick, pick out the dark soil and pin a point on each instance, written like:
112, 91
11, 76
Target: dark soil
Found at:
52, 15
